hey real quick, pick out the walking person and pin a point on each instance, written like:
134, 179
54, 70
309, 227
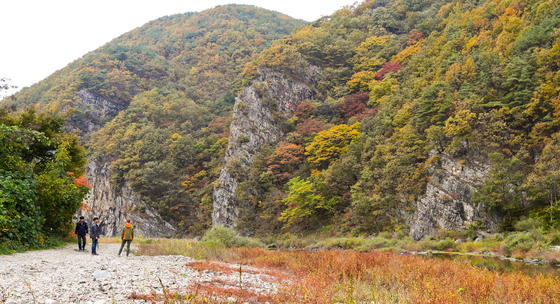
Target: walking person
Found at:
127, 237
94, 236
81, 232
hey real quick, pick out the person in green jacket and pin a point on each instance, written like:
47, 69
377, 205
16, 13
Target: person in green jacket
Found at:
127, 237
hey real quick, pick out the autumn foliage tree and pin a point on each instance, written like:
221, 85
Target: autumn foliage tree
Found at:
308, 127
285, 160
328, 145
354, 105
305, 109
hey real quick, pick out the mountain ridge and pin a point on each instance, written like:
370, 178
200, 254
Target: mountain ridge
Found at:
190, 61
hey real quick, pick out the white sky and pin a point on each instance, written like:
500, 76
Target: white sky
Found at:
38, 37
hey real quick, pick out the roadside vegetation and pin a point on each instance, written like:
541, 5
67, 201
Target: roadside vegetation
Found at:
42, 180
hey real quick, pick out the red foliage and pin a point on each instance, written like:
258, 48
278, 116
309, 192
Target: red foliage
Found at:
389, 67
354, 104
305, 109
202, 183
412, 279
310, 126
285, 160
414, 36
220, 126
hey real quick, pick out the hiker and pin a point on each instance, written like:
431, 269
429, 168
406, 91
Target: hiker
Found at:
127, 236
94, 236
81, 232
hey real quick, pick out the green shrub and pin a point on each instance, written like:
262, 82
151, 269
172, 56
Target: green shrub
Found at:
529, 224
553, 237
289, 240
445, 244
228, 238
378, 243
343, 243
520, 241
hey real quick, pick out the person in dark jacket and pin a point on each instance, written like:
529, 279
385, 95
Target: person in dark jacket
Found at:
127, 237
94, 236
81, 232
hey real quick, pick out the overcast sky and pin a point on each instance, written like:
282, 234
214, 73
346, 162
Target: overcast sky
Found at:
39, 37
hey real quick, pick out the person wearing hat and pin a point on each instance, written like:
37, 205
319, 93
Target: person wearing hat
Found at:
127, 237
94, 235
81, 232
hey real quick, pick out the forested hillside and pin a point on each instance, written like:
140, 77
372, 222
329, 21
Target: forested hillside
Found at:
402, 87
173, 81
197, 55
405, 84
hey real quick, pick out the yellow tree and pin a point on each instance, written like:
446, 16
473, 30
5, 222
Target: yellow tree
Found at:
328, 145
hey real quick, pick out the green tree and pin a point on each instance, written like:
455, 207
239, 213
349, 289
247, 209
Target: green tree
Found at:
305, 202
544, 182
503, 189
41, 187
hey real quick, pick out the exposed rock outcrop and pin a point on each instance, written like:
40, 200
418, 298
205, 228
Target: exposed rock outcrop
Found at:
114, 207
257, 121
94, 112
447, 202
99, 107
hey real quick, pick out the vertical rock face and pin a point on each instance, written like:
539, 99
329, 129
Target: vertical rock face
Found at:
447, 202
257, 121
113, 208
98, 112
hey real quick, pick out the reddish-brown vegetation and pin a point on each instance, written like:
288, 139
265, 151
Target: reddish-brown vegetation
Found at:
310, 126
350, 277
285, 160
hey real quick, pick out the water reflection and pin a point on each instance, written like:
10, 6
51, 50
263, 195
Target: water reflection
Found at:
493, 263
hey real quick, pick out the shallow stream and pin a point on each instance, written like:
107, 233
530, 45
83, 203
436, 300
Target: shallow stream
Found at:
495, 263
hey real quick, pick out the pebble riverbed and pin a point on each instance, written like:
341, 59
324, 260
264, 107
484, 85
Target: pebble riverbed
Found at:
66, 275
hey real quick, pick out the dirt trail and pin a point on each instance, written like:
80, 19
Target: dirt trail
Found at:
67, 276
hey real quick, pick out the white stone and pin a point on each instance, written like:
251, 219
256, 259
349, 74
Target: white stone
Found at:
100, 274
62, 270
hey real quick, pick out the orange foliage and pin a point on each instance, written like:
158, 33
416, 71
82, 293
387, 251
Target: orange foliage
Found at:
81, 182
285, 160
356, 277
414, 279
85, 207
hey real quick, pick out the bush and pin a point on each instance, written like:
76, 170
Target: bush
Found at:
518, 241
378, 243
289, 240
344, 243
529, 224
448, 243
226, 237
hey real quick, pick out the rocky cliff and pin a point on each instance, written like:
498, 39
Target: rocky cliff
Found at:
447, 202
258, 116
114, 207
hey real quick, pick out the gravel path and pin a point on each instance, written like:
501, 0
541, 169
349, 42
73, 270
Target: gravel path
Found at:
68, 276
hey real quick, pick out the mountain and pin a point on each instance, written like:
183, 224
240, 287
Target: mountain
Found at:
392, 115
404, 115
152, 107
